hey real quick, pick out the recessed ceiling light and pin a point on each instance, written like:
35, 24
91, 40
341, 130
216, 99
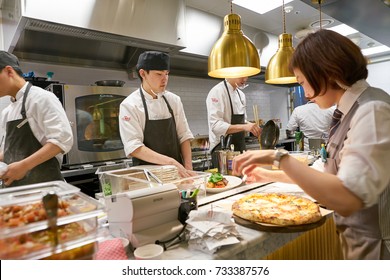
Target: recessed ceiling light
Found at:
260, 6
375, 50
343, 29
324, 22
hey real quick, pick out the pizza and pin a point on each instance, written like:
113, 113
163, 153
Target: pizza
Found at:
277, 209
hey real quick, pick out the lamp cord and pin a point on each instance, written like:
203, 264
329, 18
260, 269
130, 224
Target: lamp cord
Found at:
319, 3
284, 18
231, 6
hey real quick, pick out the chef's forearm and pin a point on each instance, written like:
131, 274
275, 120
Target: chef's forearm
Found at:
187, 154
146, 154
48, 151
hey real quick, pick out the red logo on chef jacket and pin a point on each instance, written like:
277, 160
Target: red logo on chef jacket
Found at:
126, 118
214, 100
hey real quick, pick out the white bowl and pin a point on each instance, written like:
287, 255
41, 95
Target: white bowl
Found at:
149, 252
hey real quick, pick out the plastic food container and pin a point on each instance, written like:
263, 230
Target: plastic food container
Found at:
24, 230
141, 177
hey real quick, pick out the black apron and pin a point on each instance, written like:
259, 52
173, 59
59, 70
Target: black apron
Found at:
160, 135
21, 143
238, 139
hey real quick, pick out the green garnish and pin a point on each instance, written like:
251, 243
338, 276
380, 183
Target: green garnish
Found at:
215, 177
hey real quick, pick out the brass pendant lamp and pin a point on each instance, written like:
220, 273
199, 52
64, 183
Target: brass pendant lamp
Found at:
277, 71
233, 55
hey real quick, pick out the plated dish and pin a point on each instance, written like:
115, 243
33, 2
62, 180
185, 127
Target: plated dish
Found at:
233, 182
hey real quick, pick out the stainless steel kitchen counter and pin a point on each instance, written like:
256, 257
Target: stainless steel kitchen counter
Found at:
254, 244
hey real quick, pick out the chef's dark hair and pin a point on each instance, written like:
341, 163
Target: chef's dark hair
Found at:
328, 59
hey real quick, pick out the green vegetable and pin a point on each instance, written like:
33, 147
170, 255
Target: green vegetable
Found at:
215, 177
107, 189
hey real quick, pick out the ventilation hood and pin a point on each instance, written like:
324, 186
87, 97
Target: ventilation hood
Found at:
97, 33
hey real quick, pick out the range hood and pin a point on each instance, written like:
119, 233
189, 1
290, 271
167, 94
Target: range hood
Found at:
98, 33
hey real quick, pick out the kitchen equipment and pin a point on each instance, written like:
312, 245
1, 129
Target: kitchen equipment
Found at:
257, 121
315, 145
93, 114
228, 141
222, 161
25, 231
146, 211
269, 135
50, 204
110, 83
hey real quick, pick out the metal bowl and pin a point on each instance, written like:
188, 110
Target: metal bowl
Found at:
110, 83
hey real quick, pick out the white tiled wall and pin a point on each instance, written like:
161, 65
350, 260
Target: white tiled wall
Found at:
271, 100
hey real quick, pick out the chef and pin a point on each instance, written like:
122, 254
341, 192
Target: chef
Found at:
152, 122
36, 132
226, 111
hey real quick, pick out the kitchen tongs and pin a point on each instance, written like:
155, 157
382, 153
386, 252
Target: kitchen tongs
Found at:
50, 203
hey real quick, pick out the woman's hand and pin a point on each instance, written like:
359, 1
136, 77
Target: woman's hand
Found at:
250, 158
257, 174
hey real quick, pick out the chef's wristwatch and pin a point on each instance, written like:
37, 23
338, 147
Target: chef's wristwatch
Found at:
279, 153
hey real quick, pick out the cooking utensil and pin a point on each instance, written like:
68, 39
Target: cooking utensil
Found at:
257, 121
270, 135
50, 203
228, 141
110, 83
222, 141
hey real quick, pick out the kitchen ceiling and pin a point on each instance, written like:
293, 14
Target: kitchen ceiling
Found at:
371, 18
112, 34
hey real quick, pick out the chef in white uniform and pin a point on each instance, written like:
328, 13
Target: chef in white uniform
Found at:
226, 112
152, 122
311, 120
36, 131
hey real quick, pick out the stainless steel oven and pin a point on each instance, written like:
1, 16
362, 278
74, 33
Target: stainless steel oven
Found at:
93, 114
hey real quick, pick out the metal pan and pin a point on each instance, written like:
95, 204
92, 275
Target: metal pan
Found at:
110, 83
269, 135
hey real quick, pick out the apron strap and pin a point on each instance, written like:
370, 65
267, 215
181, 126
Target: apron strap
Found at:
23, 110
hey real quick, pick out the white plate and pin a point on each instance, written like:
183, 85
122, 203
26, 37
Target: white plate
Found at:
233, 182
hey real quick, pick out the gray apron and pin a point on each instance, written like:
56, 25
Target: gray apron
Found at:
160, 135
366, 233
238, 139
20, 143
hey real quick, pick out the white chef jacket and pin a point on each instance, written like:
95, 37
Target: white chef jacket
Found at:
218, 110
365, 157
46, 117
132, 117
313, 121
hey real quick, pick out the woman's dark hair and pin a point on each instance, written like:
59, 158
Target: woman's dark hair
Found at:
326, 57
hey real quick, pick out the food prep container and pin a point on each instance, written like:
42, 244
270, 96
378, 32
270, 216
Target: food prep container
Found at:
24, 231
139, 178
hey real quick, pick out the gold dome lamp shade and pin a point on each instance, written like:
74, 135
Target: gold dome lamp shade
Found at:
277, 71
233, 55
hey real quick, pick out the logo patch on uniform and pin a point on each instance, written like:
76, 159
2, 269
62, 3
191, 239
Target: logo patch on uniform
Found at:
126, 118
214, 100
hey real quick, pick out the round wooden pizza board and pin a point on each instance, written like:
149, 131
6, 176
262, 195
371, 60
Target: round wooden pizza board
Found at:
278, 228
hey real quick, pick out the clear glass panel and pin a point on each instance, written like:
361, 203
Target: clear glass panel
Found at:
97, 122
